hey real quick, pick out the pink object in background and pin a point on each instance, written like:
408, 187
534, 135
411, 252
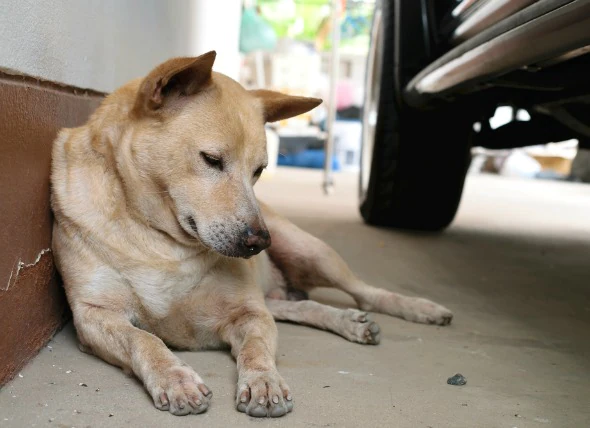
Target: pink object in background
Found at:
344, 94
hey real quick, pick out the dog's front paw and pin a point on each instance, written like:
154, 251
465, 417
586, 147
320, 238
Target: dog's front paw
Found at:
425, 311
181, 391
262, 394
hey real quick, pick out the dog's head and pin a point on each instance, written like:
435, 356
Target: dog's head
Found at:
196, 147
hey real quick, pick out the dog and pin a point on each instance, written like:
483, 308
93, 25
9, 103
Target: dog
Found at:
160, 240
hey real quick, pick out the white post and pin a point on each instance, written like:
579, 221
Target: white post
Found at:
328, 184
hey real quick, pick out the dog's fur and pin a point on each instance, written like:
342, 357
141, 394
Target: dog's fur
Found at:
156, 224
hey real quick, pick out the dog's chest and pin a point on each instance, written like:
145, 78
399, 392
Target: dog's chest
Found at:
159, 285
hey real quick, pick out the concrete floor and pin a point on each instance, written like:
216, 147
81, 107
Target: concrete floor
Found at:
513, 268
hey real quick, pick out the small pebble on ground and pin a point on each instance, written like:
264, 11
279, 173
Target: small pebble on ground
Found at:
457, 380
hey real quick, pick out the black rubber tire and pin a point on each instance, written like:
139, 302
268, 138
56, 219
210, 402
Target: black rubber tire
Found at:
420, 158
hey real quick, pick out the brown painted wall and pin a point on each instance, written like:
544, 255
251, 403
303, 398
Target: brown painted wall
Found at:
32, 302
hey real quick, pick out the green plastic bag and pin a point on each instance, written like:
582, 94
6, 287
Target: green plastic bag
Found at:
255, 33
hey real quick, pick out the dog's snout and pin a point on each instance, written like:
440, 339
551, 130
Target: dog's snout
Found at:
255, 240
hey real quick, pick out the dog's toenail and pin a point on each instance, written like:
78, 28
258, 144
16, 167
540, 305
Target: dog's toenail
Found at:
243, 398
261, 400
203, 388
289, 397
275, 399
198, 402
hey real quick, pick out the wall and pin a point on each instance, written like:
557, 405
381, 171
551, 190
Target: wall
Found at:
217, 27
32, 302
101, 44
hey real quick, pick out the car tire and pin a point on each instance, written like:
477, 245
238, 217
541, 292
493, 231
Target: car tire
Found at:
413, 163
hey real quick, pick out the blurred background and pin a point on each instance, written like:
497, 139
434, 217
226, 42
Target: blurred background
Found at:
285, 45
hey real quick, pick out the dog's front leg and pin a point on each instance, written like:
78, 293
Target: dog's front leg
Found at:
172, 384
252, 334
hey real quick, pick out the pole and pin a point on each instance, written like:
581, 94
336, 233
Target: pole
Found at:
328, 184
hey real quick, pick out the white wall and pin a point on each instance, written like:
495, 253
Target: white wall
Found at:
101, 44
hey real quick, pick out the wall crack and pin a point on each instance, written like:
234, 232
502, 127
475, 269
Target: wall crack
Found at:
22, 265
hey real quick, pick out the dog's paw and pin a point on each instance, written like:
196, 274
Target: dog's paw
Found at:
180, 391
358, 327
262, 394
425, 311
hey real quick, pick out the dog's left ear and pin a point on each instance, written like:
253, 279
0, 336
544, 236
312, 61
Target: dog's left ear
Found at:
277, 106
173, 78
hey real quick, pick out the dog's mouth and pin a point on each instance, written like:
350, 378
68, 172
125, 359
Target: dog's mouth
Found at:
189, 226
191, 222
227, 249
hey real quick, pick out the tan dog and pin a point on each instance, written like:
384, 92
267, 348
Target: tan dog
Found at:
156, 224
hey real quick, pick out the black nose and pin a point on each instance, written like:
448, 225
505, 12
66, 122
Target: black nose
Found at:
254, 241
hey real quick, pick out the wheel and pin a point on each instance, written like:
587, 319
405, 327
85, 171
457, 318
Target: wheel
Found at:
413, 163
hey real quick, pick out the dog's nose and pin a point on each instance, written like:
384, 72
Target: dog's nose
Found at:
255, 240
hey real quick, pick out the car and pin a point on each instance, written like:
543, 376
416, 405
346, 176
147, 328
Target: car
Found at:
436, 72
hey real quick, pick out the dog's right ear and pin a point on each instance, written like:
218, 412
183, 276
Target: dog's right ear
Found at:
277, 106
176, 77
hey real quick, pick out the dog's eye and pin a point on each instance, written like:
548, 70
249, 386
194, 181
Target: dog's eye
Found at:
212, 161
258, 172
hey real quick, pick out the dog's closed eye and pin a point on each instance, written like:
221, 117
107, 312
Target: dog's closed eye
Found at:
212, 161
258, 172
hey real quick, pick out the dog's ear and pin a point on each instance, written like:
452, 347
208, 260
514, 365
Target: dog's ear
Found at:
177, 76
279, 106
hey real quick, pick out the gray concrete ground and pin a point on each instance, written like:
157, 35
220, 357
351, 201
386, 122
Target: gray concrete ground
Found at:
514, 268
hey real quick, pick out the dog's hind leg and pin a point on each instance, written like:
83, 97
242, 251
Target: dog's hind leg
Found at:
306, 262
351, 324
